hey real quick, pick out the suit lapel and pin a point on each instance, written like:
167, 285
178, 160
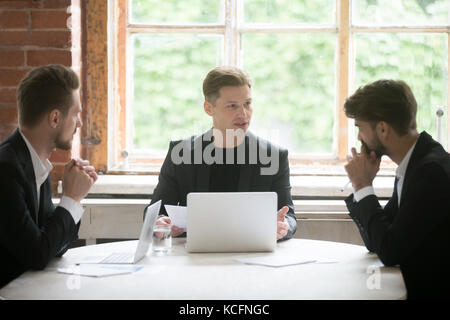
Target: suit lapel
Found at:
46, 190
29, 170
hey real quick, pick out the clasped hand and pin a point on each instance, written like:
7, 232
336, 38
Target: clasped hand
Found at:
362, 168
78, 178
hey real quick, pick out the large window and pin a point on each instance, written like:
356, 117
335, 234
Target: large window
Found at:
304, 57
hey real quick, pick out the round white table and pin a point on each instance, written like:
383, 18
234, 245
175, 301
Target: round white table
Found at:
179, 275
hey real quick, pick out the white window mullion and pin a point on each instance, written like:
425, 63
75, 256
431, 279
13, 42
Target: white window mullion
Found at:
351, 77
231, 37
130, 93
448, 90
343, 71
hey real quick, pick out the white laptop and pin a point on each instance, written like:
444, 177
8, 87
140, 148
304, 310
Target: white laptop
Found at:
151, 213
231, 222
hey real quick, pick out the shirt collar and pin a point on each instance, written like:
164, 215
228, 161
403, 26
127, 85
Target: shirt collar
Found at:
401, 169
41, 169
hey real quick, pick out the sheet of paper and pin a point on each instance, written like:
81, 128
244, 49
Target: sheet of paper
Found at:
276, 260
177, 214
98, 270
325, 261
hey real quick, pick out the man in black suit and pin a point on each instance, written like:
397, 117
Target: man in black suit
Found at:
32, 230
226, 158
413, 229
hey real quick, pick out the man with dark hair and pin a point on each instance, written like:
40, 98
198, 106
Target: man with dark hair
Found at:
220, 160
32, 230
412, 230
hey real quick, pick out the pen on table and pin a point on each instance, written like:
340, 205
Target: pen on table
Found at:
345, 186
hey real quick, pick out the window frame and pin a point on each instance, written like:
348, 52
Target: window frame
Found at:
109, 157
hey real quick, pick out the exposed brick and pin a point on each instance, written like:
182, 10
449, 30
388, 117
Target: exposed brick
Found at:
8, 95
38, 4
10, 38
54, 4
49, 19
12, 58
6, 130
52, 39
60, 156
43, 57
19, 4
8, 114
13, 19
11, 77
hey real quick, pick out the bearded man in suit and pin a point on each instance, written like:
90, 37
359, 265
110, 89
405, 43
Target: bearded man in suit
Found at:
32, 229
412, 230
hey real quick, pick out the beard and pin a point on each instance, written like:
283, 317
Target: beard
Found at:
378, 148
62, 144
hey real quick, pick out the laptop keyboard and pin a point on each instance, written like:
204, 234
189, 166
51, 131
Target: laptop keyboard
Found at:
125, 257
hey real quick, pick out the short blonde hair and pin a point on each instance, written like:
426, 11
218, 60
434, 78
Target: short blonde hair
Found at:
223, 76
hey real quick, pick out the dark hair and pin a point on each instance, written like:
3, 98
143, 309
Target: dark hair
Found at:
43, 89
384, 100
223, 76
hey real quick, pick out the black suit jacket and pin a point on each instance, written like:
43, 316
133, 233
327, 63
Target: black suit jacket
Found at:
29, 236
415, 235
177, 180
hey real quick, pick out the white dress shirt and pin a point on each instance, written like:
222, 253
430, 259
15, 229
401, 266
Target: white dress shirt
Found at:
399, 173
41, 171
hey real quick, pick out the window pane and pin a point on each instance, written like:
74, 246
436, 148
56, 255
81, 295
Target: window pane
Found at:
293, 88
168, 76
404, 12
176, 11
419, 60
290, 11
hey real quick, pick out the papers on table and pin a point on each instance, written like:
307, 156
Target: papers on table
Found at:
282, 261
275, 261
177, 215
99, 270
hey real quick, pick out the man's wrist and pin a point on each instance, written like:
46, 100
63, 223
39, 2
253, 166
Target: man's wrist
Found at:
360, 194
74, 207
72, 197
361, 185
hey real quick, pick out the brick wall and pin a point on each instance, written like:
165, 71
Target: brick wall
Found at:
33, 33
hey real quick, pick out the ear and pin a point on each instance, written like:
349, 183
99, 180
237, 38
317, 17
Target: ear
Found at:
208, 107
383, 130
54, 118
